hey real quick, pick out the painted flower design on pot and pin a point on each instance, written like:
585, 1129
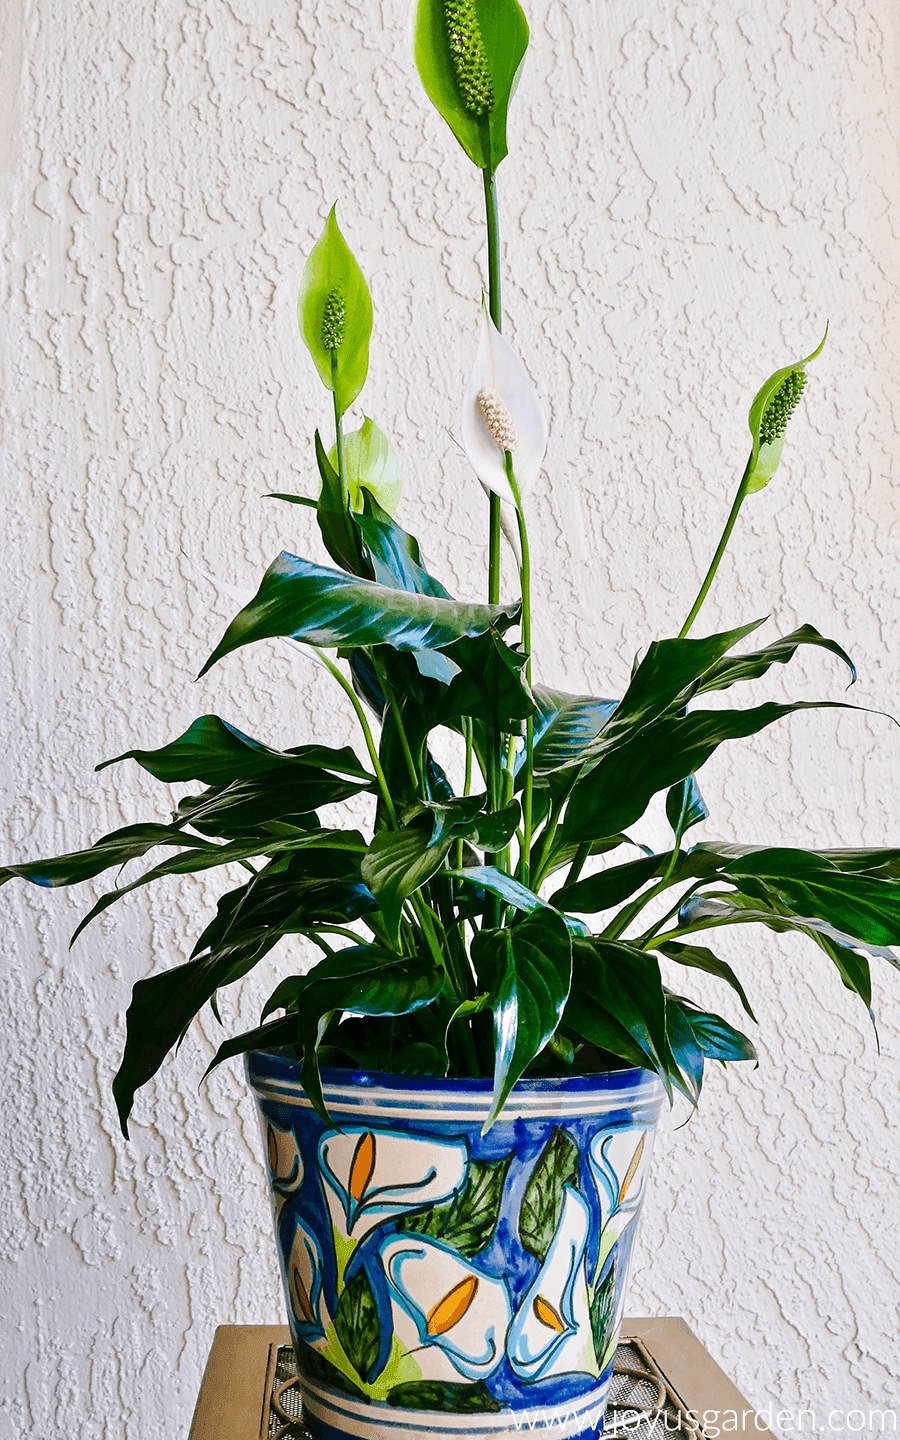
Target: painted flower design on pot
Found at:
304, 1284
285, 1162
374, 1175
551, 1334
618, 1161
450, 1315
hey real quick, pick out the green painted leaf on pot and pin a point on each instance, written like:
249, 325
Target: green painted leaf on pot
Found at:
370, 465
326, 607
603, 1312
356, 1324
471, 84
769, 413
453, 1396
316, 1366
527, 970
335, 313
467, 1224
558, 1165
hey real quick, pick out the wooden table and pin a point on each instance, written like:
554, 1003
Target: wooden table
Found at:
662, 1373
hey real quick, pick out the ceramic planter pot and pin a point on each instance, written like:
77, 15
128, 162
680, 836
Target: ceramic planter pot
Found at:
440, 1281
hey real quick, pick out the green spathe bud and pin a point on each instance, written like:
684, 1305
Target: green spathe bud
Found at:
370, 464
469, 59
773, 405
333, 320
335, 313
469, 55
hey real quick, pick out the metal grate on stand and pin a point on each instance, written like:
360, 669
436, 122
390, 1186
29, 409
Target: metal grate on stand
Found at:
642, 1405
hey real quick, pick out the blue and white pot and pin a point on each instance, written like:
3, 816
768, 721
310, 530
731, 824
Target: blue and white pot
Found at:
440, 1281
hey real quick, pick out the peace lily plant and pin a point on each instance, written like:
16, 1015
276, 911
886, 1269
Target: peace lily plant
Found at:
467, 934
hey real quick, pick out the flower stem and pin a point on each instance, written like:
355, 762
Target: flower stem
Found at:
492, 778
739, 499
525, 578
367, 733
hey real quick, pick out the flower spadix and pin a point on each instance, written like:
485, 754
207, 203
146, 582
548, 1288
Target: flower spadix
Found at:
773, 405
501, 412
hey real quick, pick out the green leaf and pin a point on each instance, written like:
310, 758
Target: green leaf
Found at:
448, 1395
625, 983
564, 726
215, 753
325, 607
496, 882
116, 848
333, 517
254, 806
362, 980
805, 884
504, 36
370, 465
491, 685
716, 1039
610, 887
697, 957
316, 1366
603, 1311
291, 499
685, 807
356, 1324
464, 818
330, 271
558, 1165
587, 1019
731, 669
619, 788
467, 1224
765, 458
527, 971
397, 863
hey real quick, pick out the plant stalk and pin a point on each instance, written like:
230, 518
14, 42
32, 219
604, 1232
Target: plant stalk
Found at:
525, 579
739, 499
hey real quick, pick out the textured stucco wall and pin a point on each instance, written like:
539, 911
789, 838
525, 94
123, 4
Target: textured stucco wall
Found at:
693, 190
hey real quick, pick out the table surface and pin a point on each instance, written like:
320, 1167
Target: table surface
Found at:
249, 1388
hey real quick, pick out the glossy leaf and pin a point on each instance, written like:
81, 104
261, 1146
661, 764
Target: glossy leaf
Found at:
765, 458
491, 684
685, 807
804, 883
333, 517
625, 983
564, 725
497, 882
527, 971
370, 465
697, 957
116, 848
733, 668
326, 607
618, 790
398, 863
215, 753
504, 33
330, 271
716, 1039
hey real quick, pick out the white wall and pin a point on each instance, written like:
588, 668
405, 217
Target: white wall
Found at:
693, 190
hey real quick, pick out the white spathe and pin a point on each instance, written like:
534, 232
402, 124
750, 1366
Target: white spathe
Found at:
497, 367
551, 1334
451, 1314
373, 1175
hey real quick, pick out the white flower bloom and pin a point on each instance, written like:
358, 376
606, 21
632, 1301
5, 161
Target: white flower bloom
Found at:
501, 406
304, 1282
373, 1175
551, 1334
452, 1315
619, 1162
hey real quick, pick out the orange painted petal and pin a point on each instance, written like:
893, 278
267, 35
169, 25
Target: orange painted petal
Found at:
362, 1165
548, 1314
630, 1173
303, 1299
449, 1311
272, 1147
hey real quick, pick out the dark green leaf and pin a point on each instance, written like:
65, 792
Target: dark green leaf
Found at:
730, 669
398, 863
564, 726
626, 984
603, 1309
449, 1395
333, 515
618, 790
491, 685
356, 1324
291, 499
527, 971
504, 33
558, 1165
467, 1224
317, 1367
715, 1037
684, 1048
114, 849
394, 554
610, 887
805, 884
496, 882
325, 607
697, 957
685, 807
215, 753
